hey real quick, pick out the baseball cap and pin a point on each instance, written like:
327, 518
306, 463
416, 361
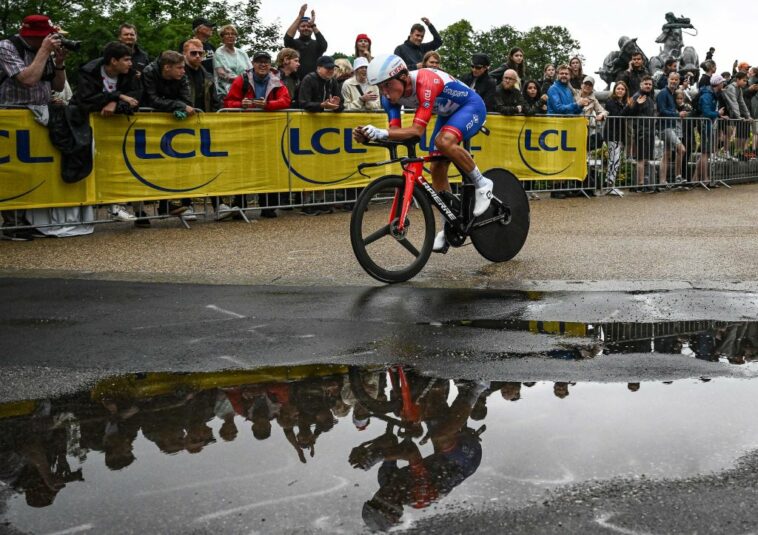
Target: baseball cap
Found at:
717, 79
363, 36
360, 62
743, 65
261, 55
480, 59
37, 26
202, 21
325, 61
589, 80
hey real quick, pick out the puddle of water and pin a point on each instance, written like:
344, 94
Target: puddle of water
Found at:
284, 449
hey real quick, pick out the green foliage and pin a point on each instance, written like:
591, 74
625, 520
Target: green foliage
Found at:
457, 46
161, 24
541, 45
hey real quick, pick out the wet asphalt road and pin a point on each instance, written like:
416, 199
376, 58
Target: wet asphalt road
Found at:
598, 461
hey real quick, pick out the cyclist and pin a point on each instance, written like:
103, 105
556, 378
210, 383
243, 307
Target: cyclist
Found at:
460, 115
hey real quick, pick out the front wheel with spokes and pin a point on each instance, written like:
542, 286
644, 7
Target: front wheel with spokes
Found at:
386, 251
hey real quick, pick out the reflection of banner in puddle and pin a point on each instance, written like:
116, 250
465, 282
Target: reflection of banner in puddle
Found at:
154, 156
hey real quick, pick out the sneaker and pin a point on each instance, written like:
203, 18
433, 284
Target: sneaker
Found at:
119, 213
189, 214
268, 213
142, 220
616, 192
310, 210
23, 234
440, 243
223, 212
483, 197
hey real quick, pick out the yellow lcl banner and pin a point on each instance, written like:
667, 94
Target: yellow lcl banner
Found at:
154, 156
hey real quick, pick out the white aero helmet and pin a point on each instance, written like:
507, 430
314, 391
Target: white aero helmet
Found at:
384, 67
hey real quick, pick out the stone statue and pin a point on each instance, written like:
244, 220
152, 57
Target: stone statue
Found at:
618, 60
673, 43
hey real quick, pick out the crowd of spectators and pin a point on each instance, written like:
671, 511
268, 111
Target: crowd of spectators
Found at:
201, 77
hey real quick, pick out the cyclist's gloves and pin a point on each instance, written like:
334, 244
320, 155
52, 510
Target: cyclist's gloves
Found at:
375, 134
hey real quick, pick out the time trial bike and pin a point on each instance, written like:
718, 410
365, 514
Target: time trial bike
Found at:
392, 228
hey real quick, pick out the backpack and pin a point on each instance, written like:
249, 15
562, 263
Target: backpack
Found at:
696, 110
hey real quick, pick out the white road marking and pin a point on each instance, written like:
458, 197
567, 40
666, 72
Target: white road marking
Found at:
226, 512
602, 520
235, 360
224, 311
199, 484
348, 355
77, 529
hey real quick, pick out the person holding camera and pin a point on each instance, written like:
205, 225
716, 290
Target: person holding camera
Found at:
31, 67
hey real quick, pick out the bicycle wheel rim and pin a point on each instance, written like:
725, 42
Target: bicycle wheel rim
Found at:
385, 253
499, 242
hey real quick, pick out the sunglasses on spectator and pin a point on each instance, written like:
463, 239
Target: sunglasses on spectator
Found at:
197, 53
477, 66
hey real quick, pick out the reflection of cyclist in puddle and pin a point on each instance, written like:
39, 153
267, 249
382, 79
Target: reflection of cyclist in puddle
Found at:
457, 454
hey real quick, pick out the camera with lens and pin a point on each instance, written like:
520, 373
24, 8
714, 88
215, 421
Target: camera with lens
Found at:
69, 44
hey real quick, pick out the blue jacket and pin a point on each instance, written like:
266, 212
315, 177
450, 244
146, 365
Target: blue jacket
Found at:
708, 102
560, 100
666, 106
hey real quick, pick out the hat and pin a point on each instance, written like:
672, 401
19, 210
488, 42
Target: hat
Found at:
363, 36
743, 65
589, 80
201, 21
480, 59
37, 26
717, 79
325, 61
261, 55
360, 62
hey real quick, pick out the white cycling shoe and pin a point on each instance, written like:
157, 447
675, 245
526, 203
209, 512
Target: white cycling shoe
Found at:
482, 197
440, 243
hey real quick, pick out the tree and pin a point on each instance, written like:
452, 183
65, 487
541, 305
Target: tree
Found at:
457, 47
541, 45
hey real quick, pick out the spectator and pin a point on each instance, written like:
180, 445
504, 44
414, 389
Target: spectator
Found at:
31, 66
737, 110
357, 93
288, 63
363, 47
166, 88
709, 109
727, 76
672, 129
683, 104
228, 61
508, 97
310, 49
203, 95
431, 60
259, 88
709, 69
643, 107
319, 91
480, 80
671, 65
202, 29
514, 61
617, 107
109, 85
413, 49
634, 74
577, 73
548, 77
752, 91
593, 110
560, 97
342, 71
535, 103
127, 34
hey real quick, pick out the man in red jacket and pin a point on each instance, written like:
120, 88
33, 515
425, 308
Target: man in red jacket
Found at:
259, 88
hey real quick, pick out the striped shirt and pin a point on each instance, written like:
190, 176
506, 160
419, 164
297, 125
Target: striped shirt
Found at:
11, 91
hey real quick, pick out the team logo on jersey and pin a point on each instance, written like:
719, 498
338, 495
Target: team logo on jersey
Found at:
426, 104
427, 94
436, 81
